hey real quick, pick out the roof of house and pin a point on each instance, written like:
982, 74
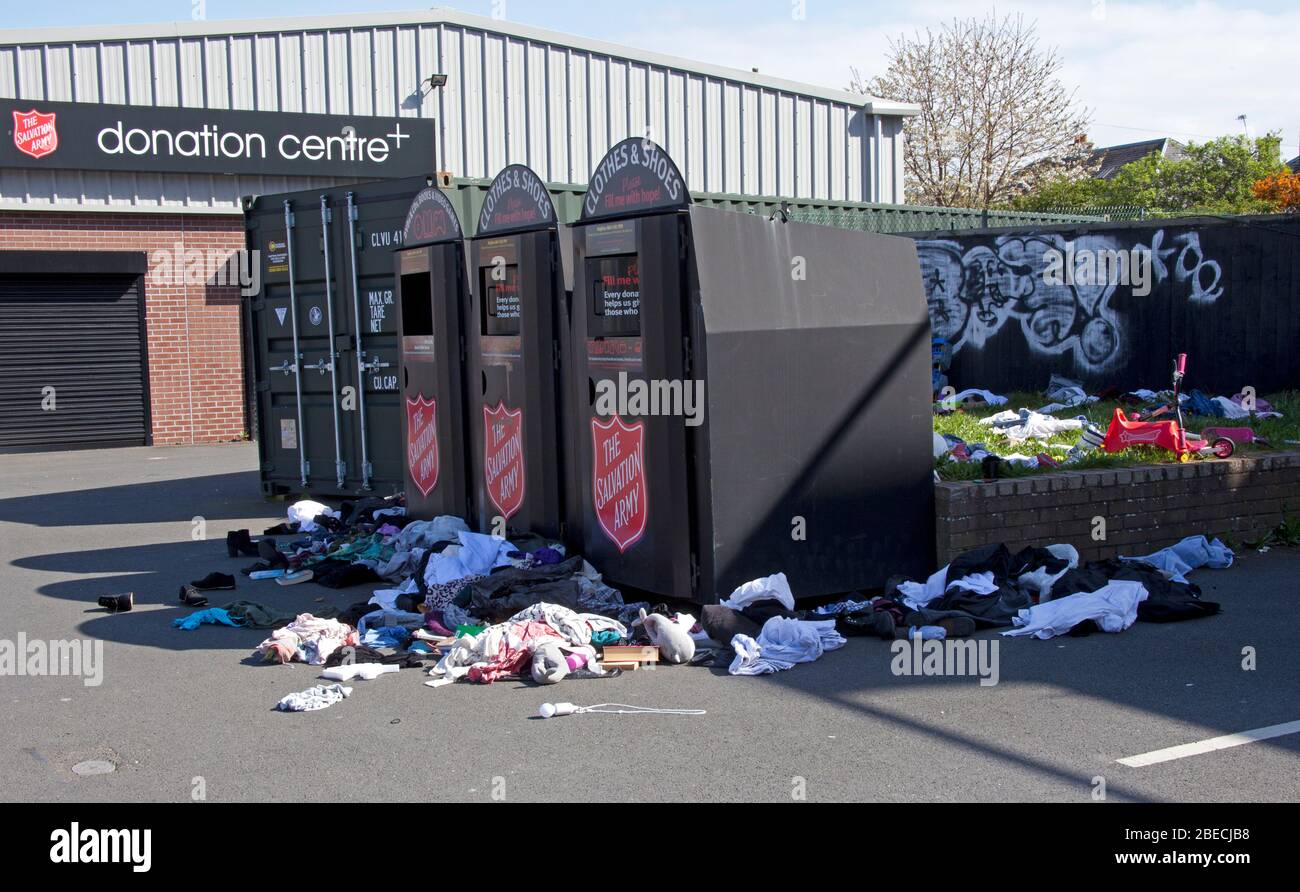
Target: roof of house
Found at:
1294, 164
1115, 157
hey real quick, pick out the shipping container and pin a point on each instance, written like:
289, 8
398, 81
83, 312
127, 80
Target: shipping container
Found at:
323, 352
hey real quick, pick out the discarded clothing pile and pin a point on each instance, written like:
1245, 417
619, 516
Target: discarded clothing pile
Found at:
507, 649
1065, 394
462, 578
957, 449
759, 624
1046, 593
308, 639
975, 397
1234, 408
783, 644
1026, 425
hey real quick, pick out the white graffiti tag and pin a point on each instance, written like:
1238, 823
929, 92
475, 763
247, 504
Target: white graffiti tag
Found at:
974, 291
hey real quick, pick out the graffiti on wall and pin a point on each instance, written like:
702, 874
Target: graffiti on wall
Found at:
974, 291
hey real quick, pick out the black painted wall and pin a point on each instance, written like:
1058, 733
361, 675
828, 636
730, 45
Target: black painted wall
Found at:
1226, 291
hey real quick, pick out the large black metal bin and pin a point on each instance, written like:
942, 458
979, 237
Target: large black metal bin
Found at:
811, 450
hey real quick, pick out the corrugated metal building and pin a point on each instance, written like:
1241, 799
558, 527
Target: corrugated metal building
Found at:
106, 337
515, 94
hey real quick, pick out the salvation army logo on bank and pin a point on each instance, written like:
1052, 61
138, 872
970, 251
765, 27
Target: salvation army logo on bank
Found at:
503, 458
35, 133
618, 485
422, 442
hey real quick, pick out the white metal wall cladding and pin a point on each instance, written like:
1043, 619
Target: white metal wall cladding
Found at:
509, 99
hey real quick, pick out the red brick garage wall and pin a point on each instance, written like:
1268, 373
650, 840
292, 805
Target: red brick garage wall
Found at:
195, 360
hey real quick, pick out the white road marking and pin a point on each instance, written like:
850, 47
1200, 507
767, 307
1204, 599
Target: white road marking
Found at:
1209, 746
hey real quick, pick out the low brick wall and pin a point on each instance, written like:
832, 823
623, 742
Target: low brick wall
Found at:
1144, 508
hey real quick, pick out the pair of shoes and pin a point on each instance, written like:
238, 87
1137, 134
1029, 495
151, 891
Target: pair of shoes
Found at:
214, 582
239, 542
191, 597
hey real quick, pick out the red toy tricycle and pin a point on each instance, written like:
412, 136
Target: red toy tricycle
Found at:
1125, 432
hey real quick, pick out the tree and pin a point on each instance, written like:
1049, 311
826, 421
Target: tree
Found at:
1281, 190
995, 120
1215, 177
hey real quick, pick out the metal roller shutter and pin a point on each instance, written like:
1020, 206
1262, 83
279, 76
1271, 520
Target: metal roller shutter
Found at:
81, 334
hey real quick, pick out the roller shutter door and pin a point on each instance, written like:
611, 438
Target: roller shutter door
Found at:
82, 335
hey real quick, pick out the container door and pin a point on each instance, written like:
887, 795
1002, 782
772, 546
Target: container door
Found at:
514, 415
290, 321
369, 354
431, 298
628, 310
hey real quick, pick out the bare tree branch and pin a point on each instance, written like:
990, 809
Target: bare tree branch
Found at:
995, 119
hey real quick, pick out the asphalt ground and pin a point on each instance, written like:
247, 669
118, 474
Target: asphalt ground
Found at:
179, 713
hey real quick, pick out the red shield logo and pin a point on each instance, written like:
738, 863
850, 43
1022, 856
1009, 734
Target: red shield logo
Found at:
503, 458
618, 485
422, 443
35, 134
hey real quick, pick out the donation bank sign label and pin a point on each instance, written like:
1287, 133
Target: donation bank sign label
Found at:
93, 136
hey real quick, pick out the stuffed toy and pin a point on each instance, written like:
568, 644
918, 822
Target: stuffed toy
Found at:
551, 664
673, 639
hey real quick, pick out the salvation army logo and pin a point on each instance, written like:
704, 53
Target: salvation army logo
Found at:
503, 458
422, 443
618, 480
35, 133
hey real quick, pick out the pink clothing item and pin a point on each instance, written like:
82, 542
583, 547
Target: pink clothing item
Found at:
308, 638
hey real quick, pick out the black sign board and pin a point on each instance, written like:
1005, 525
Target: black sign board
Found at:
140, 138
636, 176
517, 200
431, 219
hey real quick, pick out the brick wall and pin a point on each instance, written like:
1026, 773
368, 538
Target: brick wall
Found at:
1144, 508
195, 360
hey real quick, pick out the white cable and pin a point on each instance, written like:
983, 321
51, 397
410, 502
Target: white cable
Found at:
549, 710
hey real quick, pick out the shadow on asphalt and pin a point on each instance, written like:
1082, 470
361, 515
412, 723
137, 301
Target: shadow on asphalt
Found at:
1189, 672
216, 497
155, 573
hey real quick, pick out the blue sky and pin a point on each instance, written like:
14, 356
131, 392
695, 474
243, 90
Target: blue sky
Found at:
1144, 69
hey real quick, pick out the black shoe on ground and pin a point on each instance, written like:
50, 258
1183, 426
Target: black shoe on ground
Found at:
214, 582
191, 597
118, 603
238, 542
